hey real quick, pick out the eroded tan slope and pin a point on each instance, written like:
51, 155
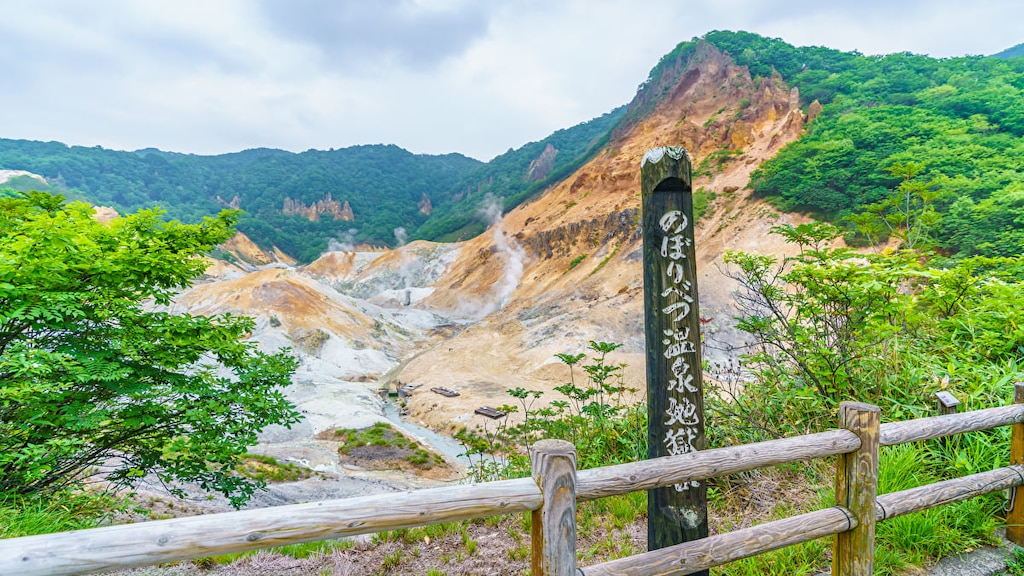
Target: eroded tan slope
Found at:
294, 300
710, 105
557, 272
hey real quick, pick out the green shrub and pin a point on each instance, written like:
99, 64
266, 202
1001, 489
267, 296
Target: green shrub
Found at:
383, 435
576, 261
269, 469
91, 373
595, 416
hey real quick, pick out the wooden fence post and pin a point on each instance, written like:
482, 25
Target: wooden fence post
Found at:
856, 488
1015, 517
553, 530
675, 392
947, 404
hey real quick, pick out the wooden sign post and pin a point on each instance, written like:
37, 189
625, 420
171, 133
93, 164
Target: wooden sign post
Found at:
675, 410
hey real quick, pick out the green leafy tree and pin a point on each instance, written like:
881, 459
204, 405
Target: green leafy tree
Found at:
596, 415
908, 213
831, 324
96, 379
819, 315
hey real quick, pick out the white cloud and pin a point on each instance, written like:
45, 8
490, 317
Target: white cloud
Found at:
433, 76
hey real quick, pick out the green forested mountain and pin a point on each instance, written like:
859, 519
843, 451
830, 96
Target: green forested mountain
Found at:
509, 176
385, 186
962, 118
382, 184
1014, 52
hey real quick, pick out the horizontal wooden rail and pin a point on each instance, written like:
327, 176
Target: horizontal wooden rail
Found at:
657, 472
666, 471
690, 557
724, 548
948, 491
148, 543
893, 433
118, 547
126, 546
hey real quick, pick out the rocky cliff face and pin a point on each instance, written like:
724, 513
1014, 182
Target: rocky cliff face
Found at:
313, 212
426, 208
728, 122
235, 203
578, 270
245, 255
542, 165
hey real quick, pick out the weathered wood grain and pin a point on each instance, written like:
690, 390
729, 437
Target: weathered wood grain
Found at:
620, 479
1015, 517
691, 557
553, 530
148, 543
948, 491
894, 433
853, 553
117, 547
946, 404
725, 548
675, 394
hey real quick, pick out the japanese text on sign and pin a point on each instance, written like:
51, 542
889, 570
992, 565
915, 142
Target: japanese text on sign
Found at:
682, 419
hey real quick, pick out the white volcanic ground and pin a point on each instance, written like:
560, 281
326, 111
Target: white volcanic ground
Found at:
488, 314
351, 327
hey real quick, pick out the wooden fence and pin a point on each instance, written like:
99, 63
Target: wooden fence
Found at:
551, 496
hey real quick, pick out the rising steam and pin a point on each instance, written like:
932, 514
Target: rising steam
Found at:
345, 242
406, 265
510, 251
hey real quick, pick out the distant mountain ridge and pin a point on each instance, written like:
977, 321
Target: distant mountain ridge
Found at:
961, 117
384, 187
1013, 52
382, 184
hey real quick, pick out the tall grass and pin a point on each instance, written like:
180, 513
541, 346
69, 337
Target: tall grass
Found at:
921, 537
592, 413
906, 372
58, 512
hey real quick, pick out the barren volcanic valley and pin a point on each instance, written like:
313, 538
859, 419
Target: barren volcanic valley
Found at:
489, 314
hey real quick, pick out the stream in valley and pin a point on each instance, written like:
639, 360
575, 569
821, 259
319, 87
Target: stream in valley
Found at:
439, 442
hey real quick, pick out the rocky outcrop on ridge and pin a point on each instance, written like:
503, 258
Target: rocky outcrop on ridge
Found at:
542, 165
313, 212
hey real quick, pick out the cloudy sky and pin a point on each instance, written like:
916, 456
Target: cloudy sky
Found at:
433, 76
